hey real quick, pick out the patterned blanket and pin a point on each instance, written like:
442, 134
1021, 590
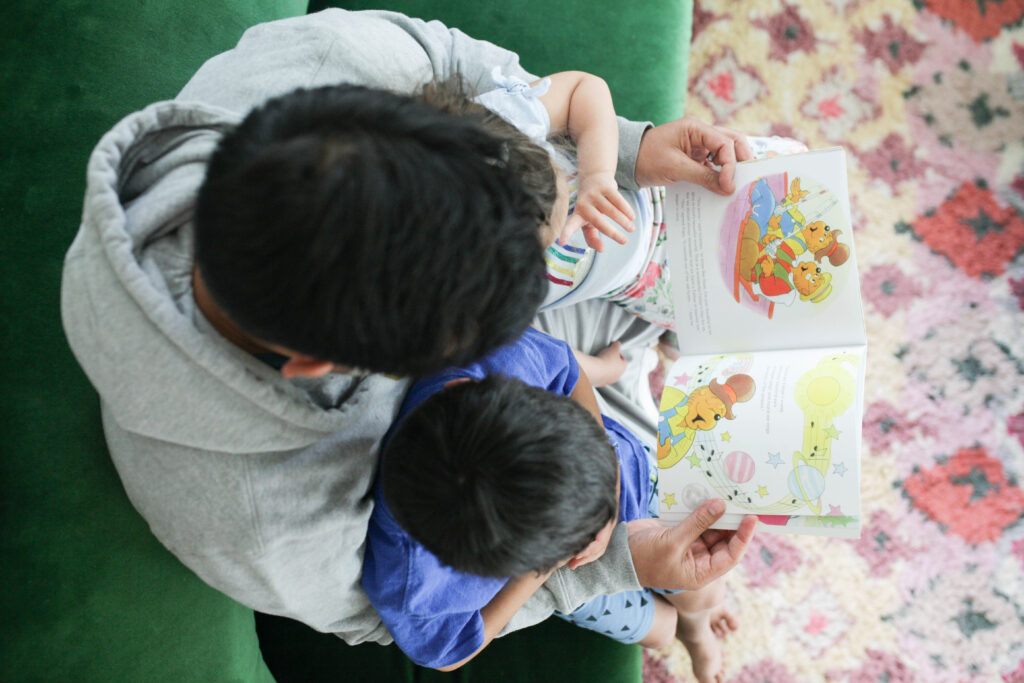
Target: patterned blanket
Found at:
927, 97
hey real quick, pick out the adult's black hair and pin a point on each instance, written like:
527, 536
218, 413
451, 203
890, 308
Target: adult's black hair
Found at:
368, 229
498, 478
530, 162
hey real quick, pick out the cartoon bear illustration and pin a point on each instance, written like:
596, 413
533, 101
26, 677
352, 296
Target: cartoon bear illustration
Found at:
773, 240
812, 284
701, 410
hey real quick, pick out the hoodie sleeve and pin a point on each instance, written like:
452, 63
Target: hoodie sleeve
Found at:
374, 48
567, 589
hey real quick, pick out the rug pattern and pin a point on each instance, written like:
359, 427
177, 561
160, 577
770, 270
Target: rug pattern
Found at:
927, 97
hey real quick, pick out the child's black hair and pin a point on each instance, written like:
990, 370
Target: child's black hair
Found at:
498, 478
369, 229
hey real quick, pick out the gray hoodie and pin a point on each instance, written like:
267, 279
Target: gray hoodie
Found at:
259, 484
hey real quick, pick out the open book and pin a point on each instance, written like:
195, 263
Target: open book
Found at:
764, 407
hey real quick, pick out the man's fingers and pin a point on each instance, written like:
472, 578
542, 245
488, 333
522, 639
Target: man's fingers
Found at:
699, 521
725, 158
728, 551
725, 178
726, 147
742, 150
709, 178
743, 536
713, 536
723, 150
720, 146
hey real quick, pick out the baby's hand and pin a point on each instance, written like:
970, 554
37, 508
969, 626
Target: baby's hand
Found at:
599, 200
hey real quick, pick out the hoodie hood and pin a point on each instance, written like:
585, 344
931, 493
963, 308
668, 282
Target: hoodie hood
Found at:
126, 302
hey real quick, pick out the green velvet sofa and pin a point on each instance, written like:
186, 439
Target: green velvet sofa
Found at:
89, 594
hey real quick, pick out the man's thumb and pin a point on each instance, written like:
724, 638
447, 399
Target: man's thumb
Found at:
710, 179
699, 521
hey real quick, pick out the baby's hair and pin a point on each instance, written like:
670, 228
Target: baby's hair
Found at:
530, 162
498, 478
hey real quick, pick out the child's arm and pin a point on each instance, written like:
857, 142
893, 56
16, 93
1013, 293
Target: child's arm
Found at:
580, 104
583, 393
502, 607
603, 368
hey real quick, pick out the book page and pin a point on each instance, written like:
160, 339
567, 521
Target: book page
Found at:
776, 434
770, 267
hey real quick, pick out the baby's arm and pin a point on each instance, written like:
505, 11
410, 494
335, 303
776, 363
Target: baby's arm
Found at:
502, 607
580, 104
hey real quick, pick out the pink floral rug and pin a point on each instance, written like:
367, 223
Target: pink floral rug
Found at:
927, 97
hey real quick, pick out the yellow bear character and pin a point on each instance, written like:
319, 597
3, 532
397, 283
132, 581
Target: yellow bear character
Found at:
700, 411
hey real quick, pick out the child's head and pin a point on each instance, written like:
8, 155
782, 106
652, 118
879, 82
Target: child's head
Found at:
498, 478
530, 162
369, 229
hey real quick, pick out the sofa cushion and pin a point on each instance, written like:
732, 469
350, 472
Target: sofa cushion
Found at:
90, 595
641, 49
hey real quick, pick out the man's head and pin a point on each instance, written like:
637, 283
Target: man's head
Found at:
497, 478
371, 230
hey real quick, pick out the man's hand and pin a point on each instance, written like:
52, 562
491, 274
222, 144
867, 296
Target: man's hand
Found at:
686, 150
689, 555
597, 199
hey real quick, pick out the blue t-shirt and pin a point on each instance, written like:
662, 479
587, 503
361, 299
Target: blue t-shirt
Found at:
433, 611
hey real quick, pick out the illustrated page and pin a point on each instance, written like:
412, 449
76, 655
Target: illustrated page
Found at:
776, 434
770, 267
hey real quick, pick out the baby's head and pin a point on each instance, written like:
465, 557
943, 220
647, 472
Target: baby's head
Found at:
498, 478
531, 163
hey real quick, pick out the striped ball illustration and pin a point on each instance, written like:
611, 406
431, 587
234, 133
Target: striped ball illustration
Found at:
739, 466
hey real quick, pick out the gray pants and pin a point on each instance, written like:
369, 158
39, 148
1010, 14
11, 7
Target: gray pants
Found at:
590, 326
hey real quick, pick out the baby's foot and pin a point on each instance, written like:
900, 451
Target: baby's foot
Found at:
723, 621
699, 632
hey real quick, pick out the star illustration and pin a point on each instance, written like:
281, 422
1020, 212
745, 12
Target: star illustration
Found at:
694, 460
726, 436
839, 469
669, 500
682, 379
762, 491
831, 432
774, 459
834, 511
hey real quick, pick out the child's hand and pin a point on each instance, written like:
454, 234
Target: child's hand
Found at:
599, 200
